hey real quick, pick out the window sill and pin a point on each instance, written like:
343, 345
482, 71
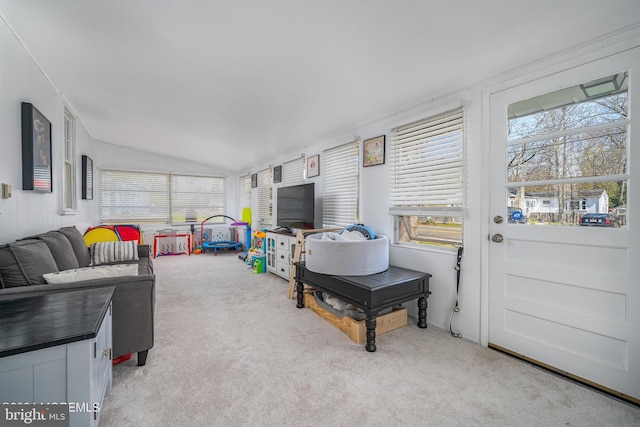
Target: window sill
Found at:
425, 248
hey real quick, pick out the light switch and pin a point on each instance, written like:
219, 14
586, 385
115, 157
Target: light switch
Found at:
6, 191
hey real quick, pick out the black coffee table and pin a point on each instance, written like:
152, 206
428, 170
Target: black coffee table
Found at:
372, 293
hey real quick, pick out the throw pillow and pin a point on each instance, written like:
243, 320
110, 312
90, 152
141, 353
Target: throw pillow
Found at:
61, 249
91, 273
79, 246
107, 252
23, 263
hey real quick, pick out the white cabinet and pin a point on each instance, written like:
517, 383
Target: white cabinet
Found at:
76, 372
280, 249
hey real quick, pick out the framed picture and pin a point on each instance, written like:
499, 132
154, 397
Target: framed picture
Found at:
373, 151
36, 150
254, 180
313, 166
87, 178
277, 174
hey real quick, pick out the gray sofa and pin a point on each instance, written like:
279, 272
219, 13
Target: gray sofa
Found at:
23, 263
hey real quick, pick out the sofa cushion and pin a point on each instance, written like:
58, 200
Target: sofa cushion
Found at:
78, 244
91, 273
61, 249
23, 263
108, 252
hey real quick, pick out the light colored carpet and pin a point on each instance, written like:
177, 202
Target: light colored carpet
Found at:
231, 350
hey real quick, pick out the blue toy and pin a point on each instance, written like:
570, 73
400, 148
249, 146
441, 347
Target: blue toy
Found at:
364, 229
222, 244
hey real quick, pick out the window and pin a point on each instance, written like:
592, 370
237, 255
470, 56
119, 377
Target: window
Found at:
69, 175
160, 198
245, 192
196, 198
577, 205
134, 197
293, 172
570, 147
265, 210
340, 199
426, 188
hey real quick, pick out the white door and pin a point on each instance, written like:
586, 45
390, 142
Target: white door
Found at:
563, 293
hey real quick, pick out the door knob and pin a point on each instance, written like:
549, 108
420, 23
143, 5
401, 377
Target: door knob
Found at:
497, 238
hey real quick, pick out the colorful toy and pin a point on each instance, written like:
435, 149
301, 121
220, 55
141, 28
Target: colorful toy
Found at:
222, 244
112, 233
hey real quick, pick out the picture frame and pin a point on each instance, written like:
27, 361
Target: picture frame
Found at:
313, 166
373, 151
254, 180
37, 171
87, 178
277, 174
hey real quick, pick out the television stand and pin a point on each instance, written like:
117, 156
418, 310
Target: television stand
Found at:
279, 251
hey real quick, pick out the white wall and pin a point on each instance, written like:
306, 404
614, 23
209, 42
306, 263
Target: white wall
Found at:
374, 211
471, 321
27, 212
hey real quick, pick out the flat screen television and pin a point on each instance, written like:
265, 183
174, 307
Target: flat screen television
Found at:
295, 206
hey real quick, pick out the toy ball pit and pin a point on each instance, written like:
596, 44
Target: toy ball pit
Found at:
347, 258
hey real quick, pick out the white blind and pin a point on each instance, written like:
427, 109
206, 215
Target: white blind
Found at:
195, 198
427, 166
293, 172
245, 192
341, 184
69, 181
133, 197
265, 216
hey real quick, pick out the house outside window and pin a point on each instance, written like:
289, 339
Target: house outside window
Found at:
426, 186
570, 148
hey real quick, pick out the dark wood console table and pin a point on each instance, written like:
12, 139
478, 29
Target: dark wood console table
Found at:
372, 293
55, 348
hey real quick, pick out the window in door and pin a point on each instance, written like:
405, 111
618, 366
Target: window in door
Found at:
567, 155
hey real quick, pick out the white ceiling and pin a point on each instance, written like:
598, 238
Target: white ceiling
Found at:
232, 83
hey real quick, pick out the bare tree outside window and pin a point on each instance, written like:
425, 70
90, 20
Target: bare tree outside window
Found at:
570, 159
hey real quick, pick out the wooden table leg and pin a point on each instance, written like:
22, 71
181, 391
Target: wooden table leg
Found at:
300, 294
371, 323
422, 312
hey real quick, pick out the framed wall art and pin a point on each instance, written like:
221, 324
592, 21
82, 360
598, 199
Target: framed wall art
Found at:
87, 178
36, 150
313, 166
277, 174
373, 151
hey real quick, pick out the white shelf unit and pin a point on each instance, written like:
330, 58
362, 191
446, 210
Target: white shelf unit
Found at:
280, 248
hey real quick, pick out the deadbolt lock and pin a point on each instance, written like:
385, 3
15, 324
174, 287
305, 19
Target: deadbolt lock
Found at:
498, 219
